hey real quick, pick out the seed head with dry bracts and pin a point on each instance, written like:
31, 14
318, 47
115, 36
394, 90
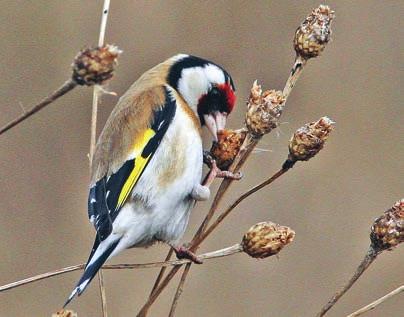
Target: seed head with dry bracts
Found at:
263, 110
388, 230
65, 313
93, 66
265, 239
314, 33
308, 140
227, 146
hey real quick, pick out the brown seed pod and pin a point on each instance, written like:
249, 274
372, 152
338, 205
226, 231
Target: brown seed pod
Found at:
308, 140
65, 313
314, 33
265, 239
226, 148
388, 230
263, 110
93, 66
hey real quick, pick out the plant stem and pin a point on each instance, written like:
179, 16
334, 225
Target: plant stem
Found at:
93, 137
62, 90
162, 271
179, 290
207, 256
102, 293
251, 191
377, 302
366, 262
294, 75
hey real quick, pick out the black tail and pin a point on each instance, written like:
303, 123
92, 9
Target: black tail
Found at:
93, 265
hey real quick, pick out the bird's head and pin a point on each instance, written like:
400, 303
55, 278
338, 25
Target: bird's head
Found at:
206, 87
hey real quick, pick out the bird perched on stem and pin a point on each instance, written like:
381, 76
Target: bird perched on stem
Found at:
147, 165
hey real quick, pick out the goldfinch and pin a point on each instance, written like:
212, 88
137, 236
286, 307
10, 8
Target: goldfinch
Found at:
147, 166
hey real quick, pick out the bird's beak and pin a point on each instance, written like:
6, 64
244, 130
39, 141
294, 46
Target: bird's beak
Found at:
215, 122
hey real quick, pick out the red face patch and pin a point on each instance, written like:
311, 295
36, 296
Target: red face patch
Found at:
230, 95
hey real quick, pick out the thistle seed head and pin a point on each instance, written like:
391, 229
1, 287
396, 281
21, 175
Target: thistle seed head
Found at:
308, 140
65, 313
93, 66
265, 239
314, 33
263, 110
388, 230
226, 148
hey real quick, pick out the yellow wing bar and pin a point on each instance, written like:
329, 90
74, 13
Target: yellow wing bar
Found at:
140, 163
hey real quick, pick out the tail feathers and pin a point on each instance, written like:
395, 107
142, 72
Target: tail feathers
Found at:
96, 260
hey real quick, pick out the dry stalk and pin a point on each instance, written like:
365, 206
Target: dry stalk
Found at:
387, 232
94, 111
62, 90
90, 67
377, 302
366, 262
206, 256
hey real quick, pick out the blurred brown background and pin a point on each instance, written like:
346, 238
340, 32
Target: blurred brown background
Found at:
330, 201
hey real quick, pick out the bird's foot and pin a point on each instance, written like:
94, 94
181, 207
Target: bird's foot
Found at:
182, 252
216, 172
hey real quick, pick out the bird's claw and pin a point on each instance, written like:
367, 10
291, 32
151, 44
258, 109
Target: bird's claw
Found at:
183, 252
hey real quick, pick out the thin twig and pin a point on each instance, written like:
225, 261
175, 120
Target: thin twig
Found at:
295, 72
230, 250
102, 293
224, 252
62, 90
96, 93
206, 256
162, 271
366, 262
179, 290
377, 302
251, 191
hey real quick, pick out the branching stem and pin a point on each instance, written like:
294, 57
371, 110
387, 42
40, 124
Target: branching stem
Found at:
62, 90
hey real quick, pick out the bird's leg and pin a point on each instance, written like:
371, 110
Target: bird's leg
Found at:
216, 172
202, 192
211, 163
183, 252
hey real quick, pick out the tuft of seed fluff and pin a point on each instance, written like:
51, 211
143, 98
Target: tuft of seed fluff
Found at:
314, 33
263, 110
93, 66
387, 230
265, 239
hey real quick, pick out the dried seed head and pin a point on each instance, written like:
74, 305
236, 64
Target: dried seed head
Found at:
309, 139
226, 148
265, 239
263, 110
93, 66
65, 313
388, 230
314, 33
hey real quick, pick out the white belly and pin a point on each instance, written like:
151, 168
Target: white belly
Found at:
160, 202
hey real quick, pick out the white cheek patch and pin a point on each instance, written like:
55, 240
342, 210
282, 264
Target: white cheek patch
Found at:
193, 84
196, 82
214, 74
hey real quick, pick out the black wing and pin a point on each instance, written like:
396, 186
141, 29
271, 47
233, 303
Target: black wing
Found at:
109, 194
